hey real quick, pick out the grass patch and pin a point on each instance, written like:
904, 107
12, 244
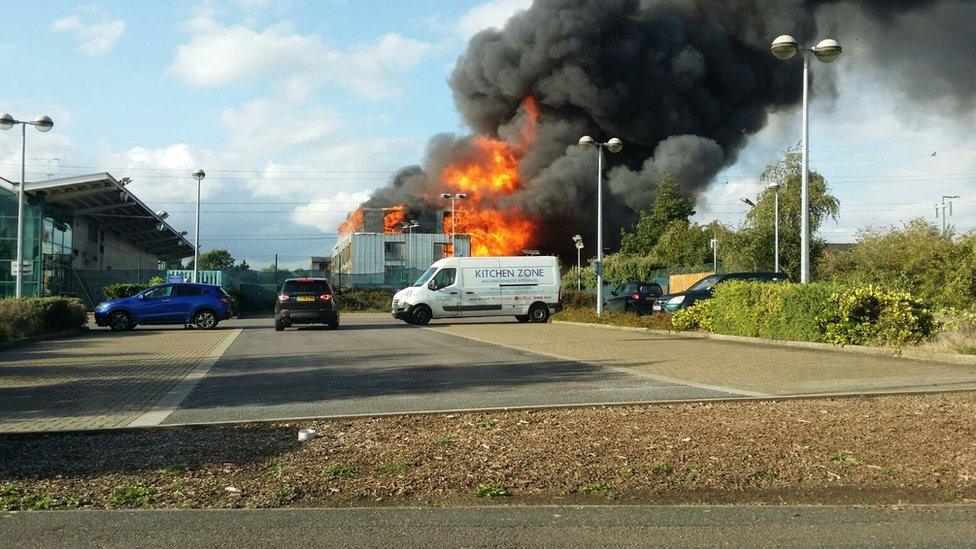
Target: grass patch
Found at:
490, 491
627, 471
484, 423
446, 441
662, 469
842, 458
37, 502
131, 495
398, 467
340, 471
764, 475
274, 470
596, 488
285, 491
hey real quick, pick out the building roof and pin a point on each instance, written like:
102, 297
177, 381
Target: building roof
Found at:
104, 198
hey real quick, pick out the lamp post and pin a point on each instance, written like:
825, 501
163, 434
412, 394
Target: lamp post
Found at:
199, 174
946, 202
409, 226
453, 198
614, 145
784, 47
578, 241
775, 187
714, 243
43, 124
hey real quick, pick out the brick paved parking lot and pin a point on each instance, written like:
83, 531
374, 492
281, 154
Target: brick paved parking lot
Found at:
97, 380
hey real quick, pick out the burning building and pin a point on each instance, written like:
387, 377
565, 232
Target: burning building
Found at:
374, 249
684, 84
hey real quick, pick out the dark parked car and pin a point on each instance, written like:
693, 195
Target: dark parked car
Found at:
703, 289
635, 297
306, 301
198, 305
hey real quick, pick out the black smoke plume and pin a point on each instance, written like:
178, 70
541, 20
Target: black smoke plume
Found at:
684, 84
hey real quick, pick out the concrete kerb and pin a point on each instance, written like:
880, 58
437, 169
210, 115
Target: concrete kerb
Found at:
905, 352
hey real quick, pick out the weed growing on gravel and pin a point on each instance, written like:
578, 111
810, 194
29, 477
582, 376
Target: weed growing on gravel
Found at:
274, 470
9, 497
397, 467
337, 471
490, 491
130, 494
596, 488
484, 423
763, 474
285, 491
842, 458
37, 502
446, 441
76, 503
177, 483
627, 471
662, 469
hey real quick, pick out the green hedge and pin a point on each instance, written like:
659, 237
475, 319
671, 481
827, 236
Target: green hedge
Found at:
860, 315
122, 290
23, 318
578, 300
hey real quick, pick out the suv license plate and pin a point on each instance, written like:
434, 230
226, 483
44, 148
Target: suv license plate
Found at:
306, 298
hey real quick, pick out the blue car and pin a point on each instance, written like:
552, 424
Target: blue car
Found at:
198, 305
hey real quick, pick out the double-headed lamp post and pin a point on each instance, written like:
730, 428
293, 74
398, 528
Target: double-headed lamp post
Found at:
453, 198
43, 124
578, 242
614, 145
198, 174
785, 47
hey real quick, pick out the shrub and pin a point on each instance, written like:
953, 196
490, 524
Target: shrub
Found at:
801, 311
696, 317
872, 315
122, 290
578, 300
656, 321
366, 300
23, 318
744, 308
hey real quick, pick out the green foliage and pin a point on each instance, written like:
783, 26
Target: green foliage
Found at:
578, 300
696, 317
751, 247
131, 495
156, 280
216, 260
917, 258
684, 244
744, 308
657, 321
340, 471
123, 289
596, 488
366, 300
800, 313
871, 315
587, 276
490, 491
620, 268
23, 318
668, 206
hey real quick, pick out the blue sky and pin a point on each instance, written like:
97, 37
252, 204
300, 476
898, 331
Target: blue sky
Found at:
298, 109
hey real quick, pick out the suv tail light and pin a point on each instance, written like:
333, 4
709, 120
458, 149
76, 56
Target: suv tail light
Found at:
283, 298
326, 297
635, 296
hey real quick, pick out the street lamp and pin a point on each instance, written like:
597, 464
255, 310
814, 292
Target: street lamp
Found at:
43, 124
453, 198
198, 174
775, 186
578, 241
946, 202
714, 243
409, 226
614, 145
784, 47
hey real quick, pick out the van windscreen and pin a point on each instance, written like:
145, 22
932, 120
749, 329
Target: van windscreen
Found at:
425, 277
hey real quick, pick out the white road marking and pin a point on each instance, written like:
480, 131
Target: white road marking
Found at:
172, 400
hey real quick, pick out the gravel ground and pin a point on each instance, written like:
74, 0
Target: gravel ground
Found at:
877, 450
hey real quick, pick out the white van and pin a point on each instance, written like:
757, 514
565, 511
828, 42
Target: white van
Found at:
526, 287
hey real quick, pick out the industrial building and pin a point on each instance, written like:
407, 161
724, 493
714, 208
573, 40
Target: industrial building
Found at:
77, 223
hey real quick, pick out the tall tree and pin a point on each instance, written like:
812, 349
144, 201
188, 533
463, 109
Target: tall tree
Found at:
750, 248
216, 260
683, 244
668, 206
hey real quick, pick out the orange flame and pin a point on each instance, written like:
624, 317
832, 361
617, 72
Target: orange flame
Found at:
353, 222
393, 218
493, 174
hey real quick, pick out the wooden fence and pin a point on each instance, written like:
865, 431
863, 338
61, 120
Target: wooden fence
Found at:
681, 282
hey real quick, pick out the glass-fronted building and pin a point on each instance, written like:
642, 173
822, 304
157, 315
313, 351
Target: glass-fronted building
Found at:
86, 222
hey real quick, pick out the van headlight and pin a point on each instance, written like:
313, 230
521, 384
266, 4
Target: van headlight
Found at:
676, 300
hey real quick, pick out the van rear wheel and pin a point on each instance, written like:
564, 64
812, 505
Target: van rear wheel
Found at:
539, 312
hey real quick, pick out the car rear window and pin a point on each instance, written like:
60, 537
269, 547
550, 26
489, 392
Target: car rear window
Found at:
650, 289
305, 287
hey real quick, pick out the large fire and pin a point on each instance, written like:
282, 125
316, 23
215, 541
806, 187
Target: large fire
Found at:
393, 219
493, 174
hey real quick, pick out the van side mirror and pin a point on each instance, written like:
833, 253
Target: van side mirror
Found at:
432, 285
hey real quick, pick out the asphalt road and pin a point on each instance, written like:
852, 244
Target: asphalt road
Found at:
375, 364
545, 526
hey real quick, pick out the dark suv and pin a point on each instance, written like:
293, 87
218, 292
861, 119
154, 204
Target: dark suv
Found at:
634, 297
306, 301
704, 288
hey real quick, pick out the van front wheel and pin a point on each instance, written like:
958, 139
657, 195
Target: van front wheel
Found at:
421, 315
539, 312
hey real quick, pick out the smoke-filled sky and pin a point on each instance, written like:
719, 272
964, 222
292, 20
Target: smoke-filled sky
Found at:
299, 112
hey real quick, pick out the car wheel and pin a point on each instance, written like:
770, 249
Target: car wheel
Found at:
205, 320
422, 315
120, 321
538, 313
522, 318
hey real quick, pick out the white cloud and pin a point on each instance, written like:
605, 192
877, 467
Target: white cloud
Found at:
325, 214
93, 37
492, 14
264, 126
219, 55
